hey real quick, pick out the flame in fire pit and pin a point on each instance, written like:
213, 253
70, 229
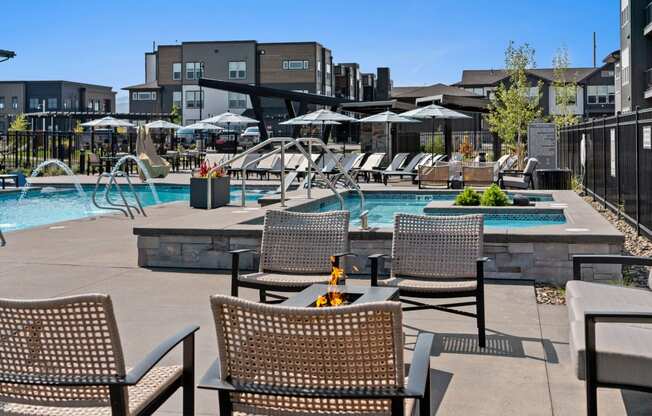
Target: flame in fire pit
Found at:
334, 297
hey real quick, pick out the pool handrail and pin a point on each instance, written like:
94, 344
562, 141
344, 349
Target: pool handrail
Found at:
125, 207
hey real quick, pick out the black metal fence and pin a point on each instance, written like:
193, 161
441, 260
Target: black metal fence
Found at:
618, 165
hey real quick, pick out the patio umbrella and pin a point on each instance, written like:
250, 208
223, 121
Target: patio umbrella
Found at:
387, 117
107, 122
162, 124
199, 127
434, 111
323, 117
229, 118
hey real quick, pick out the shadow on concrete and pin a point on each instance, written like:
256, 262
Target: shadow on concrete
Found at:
637, 403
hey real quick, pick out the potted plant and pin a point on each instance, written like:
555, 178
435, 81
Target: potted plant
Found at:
209, 187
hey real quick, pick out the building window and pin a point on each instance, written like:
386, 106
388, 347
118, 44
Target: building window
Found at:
2, 103
96, 105
295, 65
568, 91
237, 100
328, 68
144, 96
238, 70
194, 70
176, 99
624, 12
601, 94
14, 103
33, 103
625, 66
607, 74
176, 71
67, 104
194, 99
52, 104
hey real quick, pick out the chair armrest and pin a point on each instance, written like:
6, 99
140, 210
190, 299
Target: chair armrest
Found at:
142, 368
339, 256
480, 270
212, 381
235, 268
606, 259
419, 376
375, 258
240, 251
511, 172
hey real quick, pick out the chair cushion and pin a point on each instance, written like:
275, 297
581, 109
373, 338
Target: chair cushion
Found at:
583, 296
624, 353
430, 285
140, 395
515, 182
286, 280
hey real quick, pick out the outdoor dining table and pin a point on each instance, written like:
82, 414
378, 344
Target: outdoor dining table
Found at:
11, 176
362, 294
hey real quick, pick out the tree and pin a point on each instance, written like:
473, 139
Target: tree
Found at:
78, 129
175, 115
565, 90
515, 104
20, 123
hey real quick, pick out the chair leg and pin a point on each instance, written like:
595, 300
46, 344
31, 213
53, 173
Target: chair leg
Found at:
591, 399
481, 324
262, 293
188, 384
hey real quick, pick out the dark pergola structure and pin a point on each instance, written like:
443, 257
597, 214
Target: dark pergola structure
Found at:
255, 94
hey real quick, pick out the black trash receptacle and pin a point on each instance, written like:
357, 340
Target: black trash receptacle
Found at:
551, 179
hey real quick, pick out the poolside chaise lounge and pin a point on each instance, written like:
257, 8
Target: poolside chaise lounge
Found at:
264, 166
368, 167
396, 163
408, 170
347, 162
295, 252
235, 168
519, 179
610, 330
291, 162
437, 257
64, 357
338, 361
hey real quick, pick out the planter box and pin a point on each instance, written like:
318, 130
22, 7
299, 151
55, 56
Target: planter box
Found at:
219, 192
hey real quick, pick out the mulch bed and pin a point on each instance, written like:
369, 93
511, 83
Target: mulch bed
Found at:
633, 276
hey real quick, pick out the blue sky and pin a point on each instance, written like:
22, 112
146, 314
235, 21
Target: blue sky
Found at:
423, 41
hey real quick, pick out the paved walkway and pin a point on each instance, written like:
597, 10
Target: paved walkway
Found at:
524, 371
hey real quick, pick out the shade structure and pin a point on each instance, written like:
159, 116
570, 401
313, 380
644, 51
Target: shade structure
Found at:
229, 118
388, 118
298, 121
434, 111
162, 124
107, 122
200, 126
319, 116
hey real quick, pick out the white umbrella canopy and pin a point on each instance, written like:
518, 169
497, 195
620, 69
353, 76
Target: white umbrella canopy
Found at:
229, 118
388, 118
107, 122
320, 116
434, 111
162, 124
202, 126
298, 121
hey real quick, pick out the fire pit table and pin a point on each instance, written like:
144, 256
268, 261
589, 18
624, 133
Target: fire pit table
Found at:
352, 294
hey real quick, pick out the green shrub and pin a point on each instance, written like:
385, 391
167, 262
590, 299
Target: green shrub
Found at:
494, 197
468, 197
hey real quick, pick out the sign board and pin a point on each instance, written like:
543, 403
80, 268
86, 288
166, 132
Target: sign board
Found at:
612, 152
542, 144
647, 137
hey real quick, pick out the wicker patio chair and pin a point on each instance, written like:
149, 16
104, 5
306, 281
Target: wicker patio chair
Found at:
477, 174
295, 252
434, 175
437, 257
93, 163
63, 357
519, 179
345, 360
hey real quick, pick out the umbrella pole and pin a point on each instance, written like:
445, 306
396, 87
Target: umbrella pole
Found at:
432, 143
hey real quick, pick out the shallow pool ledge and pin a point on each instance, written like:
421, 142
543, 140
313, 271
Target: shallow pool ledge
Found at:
202, 241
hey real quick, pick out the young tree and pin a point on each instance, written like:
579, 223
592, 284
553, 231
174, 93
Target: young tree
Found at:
20, 123
565, 90
175, 115
514, 105
78, 129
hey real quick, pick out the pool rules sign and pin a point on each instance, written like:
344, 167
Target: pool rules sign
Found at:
542, 144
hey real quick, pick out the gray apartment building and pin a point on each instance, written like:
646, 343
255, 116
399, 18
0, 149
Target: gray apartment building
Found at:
633, 63
18, 97
595, 96
348, 81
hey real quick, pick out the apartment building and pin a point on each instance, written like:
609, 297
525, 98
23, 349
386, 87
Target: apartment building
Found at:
633, 64
348, 81
595, 94
368, 87
18, 97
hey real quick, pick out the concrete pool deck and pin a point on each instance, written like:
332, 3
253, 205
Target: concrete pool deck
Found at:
525, 371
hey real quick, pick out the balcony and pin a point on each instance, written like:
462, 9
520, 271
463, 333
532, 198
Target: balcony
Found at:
647, 30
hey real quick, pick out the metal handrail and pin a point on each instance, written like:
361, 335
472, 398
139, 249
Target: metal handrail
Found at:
125, 207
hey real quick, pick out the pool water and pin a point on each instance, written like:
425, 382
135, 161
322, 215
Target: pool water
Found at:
382, 208
52, 205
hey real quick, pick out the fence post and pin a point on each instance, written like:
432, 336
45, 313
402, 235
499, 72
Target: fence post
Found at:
592, 136
604, 158
638, 184
618, 158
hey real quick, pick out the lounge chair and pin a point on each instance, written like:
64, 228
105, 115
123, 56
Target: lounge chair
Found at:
478, 174
63, 356
215, 158
346, 162
409, 170
369, 166
519, 179
304, 165
617, 353
329, 162
437, 257
291, 162
345, 360
264, 166
396, 164
236, 167
438, 175
295, 251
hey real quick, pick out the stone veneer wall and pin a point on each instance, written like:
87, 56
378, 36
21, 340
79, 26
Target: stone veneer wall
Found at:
542, 261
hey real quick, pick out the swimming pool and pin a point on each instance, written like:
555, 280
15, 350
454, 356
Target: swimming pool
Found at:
51, 205
383, 205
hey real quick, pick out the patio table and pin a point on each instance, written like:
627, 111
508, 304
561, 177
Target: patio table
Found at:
365, 294
14, 177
